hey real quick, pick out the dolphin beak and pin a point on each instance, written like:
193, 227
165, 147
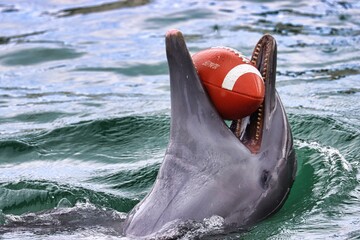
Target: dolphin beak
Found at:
191, 107
264, 58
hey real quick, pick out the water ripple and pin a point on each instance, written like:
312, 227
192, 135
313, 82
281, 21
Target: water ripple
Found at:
85, 105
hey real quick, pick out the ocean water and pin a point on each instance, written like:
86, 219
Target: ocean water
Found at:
85, 110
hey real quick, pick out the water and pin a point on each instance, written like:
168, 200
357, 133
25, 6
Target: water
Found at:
85, 110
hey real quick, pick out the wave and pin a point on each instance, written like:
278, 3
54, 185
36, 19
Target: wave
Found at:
100, 160
82, 216
109, 140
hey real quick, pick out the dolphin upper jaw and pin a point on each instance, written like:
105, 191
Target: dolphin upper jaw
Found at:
242, 174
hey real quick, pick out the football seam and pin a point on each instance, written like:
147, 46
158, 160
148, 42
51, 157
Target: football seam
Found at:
234, 51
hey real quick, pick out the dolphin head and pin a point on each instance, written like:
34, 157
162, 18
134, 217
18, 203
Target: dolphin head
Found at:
242, 173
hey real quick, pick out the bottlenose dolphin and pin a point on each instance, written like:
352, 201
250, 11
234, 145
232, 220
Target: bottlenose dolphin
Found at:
243, 173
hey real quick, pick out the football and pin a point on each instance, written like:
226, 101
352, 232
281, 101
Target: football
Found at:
233, 83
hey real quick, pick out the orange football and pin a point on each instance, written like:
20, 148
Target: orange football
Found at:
235, 86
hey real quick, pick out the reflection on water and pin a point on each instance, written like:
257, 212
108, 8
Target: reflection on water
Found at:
7, 39
85, 104
101, 8
25, 57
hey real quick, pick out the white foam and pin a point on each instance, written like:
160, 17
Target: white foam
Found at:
330, 153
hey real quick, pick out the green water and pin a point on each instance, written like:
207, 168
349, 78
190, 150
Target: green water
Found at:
85, 109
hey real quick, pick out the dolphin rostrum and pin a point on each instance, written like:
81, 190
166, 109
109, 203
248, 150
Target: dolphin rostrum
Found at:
243, 173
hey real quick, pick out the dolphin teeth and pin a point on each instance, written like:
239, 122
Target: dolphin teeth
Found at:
238, 128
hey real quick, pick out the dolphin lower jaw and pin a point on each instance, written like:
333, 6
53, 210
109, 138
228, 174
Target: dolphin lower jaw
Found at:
264, 58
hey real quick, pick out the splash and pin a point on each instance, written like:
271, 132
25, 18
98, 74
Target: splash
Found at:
330, 154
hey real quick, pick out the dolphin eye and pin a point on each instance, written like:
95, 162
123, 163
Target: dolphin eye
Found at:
265, 178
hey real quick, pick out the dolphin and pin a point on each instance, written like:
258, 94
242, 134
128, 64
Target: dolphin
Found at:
242, 173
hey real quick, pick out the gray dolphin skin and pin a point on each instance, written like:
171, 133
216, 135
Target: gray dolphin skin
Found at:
243, 173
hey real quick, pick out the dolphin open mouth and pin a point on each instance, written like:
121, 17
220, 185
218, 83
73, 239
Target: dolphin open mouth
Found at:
249, 130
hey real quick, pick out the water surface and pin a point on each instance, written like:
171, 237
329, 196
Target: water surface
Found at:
85, 110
